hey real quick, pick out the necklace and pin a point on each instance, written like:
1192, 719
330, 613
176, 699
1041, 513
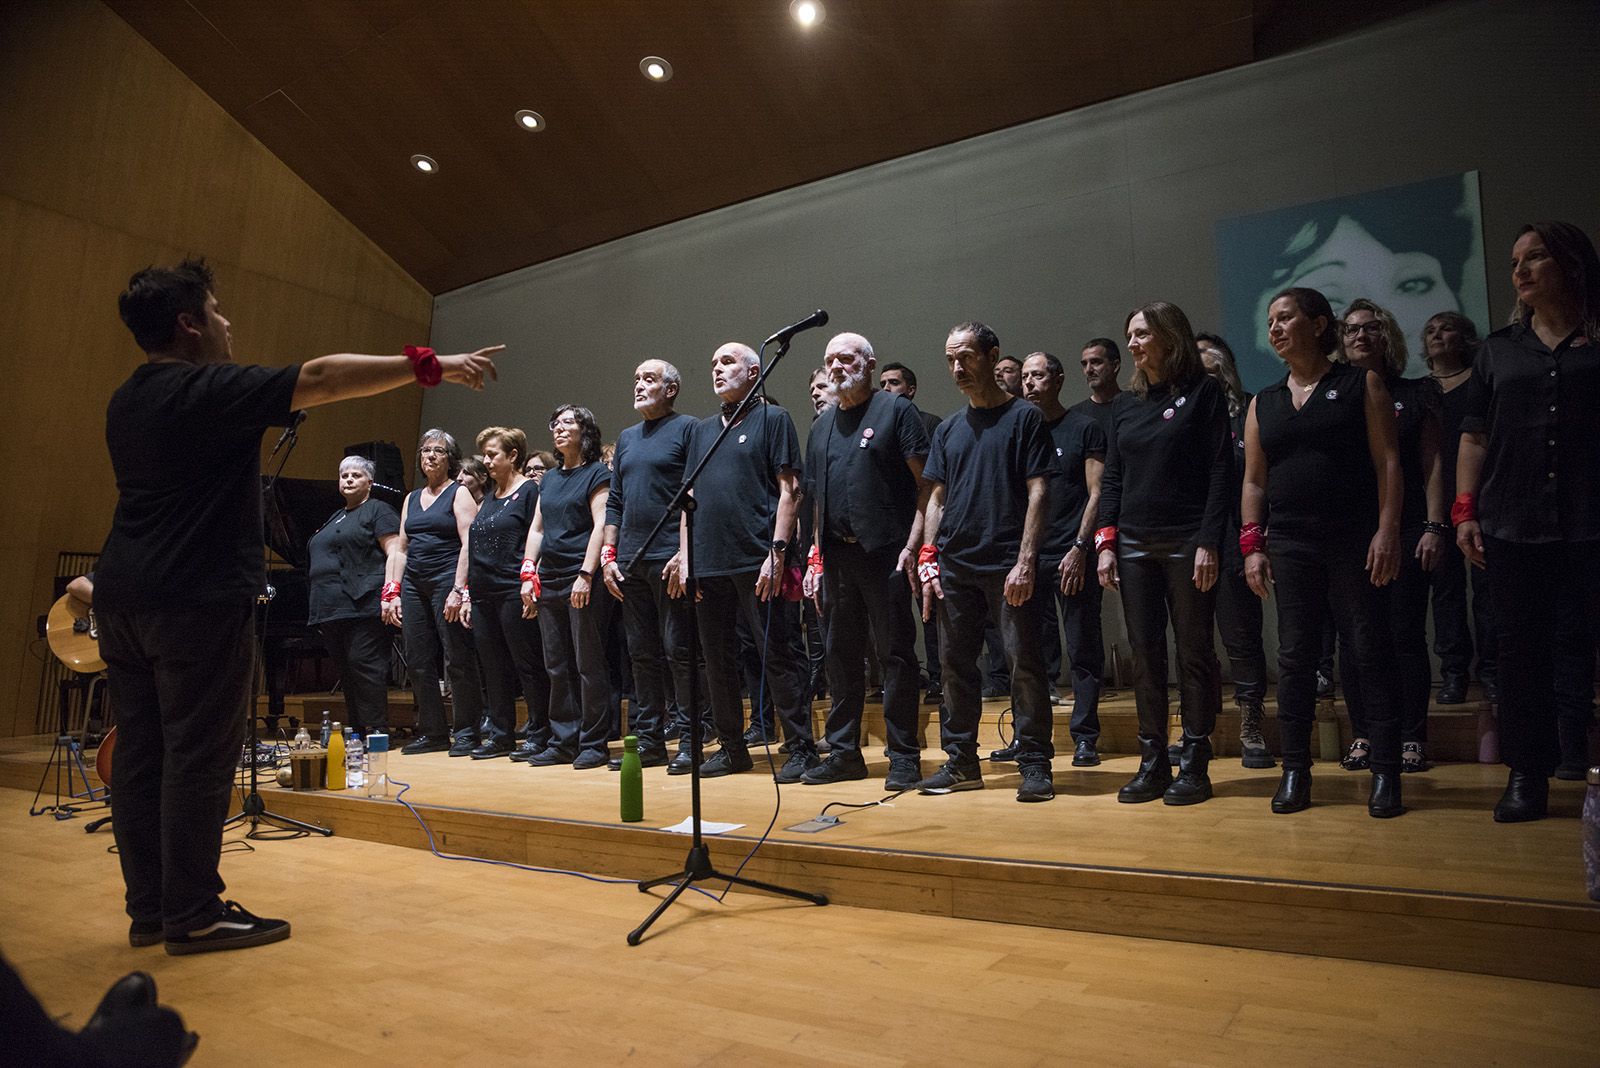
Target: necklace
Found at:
1452, 374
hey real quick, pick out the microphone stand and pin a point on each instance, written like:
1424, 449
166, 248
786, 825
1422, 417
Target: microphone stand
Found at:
253, 810
697, 866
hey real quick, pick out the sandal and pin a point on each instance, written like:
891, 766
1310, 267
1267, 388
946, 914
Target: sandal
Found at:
1412, 758
1357, 758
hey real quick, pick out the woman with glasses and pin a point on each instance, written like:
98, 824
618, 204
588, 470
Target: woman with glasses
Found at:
1321, 460
560, 560
426, 581
1370, 339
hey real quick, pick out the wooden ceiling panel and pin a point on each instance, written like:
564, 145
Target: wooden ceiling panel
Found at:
346, 92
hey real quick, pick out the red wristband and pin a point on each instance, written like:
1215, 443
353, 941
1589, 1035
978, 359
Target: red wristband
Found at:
530, 570
1252, 539
1465, 509
1105, 538
391, 592
425, 365
608, 555
814, 561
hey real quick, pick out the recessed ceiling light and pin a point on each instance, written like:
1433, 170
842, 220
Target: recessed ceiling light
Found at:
655, 68
531, 121
425, 164
807, 13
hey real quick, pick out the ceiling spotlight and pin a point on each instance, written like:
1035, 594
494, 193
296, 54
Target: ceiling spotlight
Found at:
655, 68
807, 13
425, 164
531, 121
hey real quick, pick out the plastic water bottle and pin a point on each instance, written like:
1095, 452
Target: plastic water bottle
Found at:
355, 761
335, 780
325, 729
1591, 833
302, 738
377, 771
632, 781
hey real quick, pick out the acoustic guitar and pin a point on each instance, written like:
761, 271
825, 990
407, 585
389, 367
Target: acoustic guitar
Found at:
70, 629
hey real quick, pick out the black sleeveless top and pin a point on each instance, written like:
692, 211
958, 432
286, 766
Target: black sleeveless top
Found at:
433, 545
497, 539
1320, 481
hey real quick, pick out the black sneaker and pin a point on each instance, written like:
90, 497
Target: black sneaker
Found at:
1085, 755
463, 747
145, 933
1055, 695
934, 695
757, 736
802, 760
905, 772
1324, 686
526, 752
952, 777
1036, 784
550, 758
234, 929
841, 766
590, 758
425, 743
726, 761
1005, 754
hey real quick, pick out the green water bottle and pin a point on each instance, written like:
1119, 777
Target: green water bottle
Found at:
632, 781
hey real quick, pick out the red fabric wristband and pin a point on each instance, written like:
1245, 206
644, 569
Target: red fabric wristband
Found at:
608, 555
1465, 509
391, 592
1105, 538
1252, 539
425, 365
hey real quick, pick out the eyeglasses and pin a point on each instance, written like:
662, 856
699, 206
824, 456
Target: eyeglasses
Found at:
434, 450
1373, 328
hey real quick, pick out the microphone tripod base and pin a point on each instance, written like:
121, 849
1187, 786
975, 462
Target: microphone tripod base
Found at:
697, 868
255, 812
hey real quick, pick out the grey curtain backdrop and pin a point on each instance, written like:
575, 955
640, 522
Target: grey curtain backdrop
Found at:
1053, 230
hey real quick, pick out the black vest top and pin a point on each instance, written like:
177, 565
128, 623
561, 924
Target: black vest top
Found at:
1320, 481
432, 542
883, 498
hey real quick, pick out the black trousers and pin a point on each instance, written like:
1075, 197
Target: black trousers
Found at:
1085, 649
725, 598
512, 657
867, 607
181, 681
427, 636
930, 639
815, 625
971, 600
1547, 600
360, 649
580, 687
1158, 586
1316, 579
1485, 627
1405, 610
1452, 638
1239, 621
659, 643
762, 715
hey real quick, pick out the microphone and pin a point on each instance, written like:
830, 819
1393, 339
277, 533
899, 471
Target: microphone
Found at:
816, 318
295, 419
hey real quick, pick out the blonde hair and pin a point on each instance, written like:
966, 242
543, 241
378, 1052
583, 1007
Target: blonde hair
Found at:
512, 440
1394, 340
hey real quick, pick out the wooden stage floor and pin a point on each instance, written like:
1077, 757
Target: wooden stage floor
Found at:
1443, 886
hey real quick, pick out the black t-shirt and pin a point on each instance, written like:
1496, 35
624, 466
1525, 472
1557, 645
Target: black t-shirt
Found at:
346, 572
737, 496
1452, 412
984, 457
860, 454
1417, 406
564, 506
1099, 413
648, 468
1320, 480
433, 544
1075, 437
930, 422
185, 444
1230, 532
497, 539
1166, 477
1541, 477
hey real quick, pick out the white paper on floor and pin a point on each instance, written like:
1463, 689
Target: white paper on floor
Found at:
706, 827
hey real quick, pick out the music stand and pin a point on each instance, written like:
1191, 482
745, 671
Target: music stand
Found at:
697, 867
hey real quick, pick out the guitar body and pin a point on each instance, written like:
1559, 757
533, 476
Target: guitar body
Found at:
71, 632
102, 756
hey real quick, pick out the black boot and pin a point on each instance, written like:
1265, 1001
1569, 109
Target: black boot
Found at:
1384, 801
1294, 791
1192, 785
1155, 773
1527, 797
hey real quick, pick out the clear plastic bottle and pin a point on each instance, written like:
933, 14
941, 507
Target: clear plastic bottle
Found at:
1591, 833
355, 761
335, 775
302, 738
377, 772
326, 730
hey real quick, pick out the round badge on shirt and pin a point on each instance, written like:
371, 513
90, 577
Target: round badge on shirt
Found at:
1179, 402
741, 439
1169, 413
1332, 394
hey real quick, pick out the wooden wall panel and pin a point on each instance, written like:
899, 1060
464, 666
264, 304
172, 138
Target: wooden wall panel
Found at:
110, 159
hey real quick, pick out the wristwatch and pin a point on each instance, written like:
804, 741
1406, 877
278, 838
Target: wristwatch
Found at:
1081, 543
780, 545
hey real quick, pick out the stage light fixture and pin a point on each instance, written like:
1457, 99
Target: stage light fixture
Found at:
531, 121
425, 164
808, 13
655, 68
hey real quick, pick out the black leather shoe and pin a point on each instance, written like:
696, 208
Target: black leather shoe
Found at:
1153, 777
1005, 754
1384, 802
726, 761
934, 695
590, 758
426, 743
463, 747
653, 757
129, 1025
526, 752
1294, 791
682, 761
1527, 797
489, 751
1192, 785
1453, 691
1084, 755
551, 757
130, 994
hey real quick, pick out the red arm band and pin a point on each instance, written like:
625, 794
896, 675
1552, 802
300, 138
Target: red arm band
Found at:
1252, 539
608, 555
1465, 509
391, 592
425, 365
1105, 538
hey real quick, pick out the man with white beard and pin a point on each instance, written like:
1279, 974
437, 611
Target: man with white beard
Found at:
864, 458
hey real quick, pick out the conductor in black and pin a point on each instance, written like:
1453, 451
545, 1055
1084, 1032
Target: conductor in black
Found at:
865, 457
176, 584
